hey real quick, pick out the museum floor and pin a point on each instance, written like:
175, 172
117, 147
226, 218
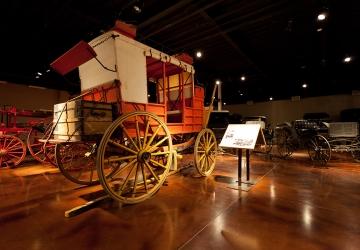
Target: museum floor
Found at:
294, 205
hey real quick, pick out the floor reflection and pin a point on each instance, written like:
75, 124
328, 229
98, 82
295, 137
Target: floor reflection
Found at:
295, 205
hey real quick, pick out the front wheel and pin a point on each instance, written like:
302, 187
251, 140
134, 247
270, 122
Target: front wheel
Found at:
319, 150
205, 150
134, 157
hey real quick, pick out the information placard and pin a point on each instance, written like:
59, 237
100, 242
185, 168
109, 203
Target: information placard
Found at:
240, 136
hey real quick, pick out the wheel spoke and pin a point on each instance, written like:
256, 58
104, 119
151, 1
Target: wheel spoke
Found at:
157, 164
122, 146
211, 145
14, 156
128, 136
119, 170
126, 180
138, 134
146, 132
202, 163
160, 153
13, 146
144, 177
152, 137
151, 171
12, 139
135, 181
201, 157
154, 147
117, 159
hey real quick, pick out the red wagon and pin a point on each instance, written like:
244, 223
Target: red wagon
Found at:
19, 131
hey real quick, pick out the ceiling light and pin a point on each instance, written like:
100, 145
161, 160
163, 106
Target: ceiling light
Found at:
48, 70
319, 29
148, 95
304, 86
241, 94
217, 82
270, 98
347, 59
224, 103
198, 54
243, 78
37, 77
321, 16
39, 73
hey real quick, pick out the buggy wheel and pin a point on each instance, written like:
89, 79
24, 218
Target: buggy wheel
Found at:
49, 152
205, 150
355, 152
12, 150
134, 157
49, 148
76, 161
284, 147
35, 146
319, 150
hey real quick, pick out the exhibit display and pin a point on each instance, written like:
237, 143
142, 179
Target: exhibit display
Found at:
138, 109
319, 138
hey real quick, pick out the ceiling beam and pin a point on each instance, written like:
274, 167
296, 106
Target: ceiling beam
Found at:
179, 20
226, 37
164, 13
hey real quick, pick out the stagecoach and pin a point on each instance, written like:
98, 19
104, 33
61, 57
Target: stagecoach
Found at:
138, 109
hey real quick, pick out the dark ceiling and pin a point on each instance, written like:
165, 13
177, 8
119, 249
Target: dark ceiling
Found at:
277, 45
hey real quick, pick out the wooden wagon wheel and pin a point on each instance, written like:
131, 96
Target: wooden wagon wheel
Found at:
12, 150
134, 157
76, 161
205, 150
35, 146
284, 147
49, 148
319, 150
355, 151
49, 151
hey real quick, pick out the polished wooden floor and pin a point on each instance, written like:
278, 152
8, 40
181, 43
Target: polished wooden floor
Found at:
294, 205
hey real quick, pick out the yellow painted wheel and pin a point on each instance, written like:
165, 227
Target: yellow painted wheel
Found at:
205, 151
134, 157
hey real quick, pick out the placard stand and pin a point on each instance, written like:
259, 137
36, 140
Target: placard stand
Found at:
243, 184
241, 136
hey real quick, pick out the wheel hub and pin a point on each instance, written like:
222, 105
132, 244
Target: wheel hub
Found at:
3, 152
144, 156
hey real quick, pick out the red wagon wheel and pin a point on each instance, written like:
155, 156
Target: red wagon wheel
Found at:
12, 150
41, 151
35, 146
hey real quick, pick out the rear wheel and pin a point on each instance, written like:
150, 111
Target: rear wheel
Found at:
12, 150
76, 161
